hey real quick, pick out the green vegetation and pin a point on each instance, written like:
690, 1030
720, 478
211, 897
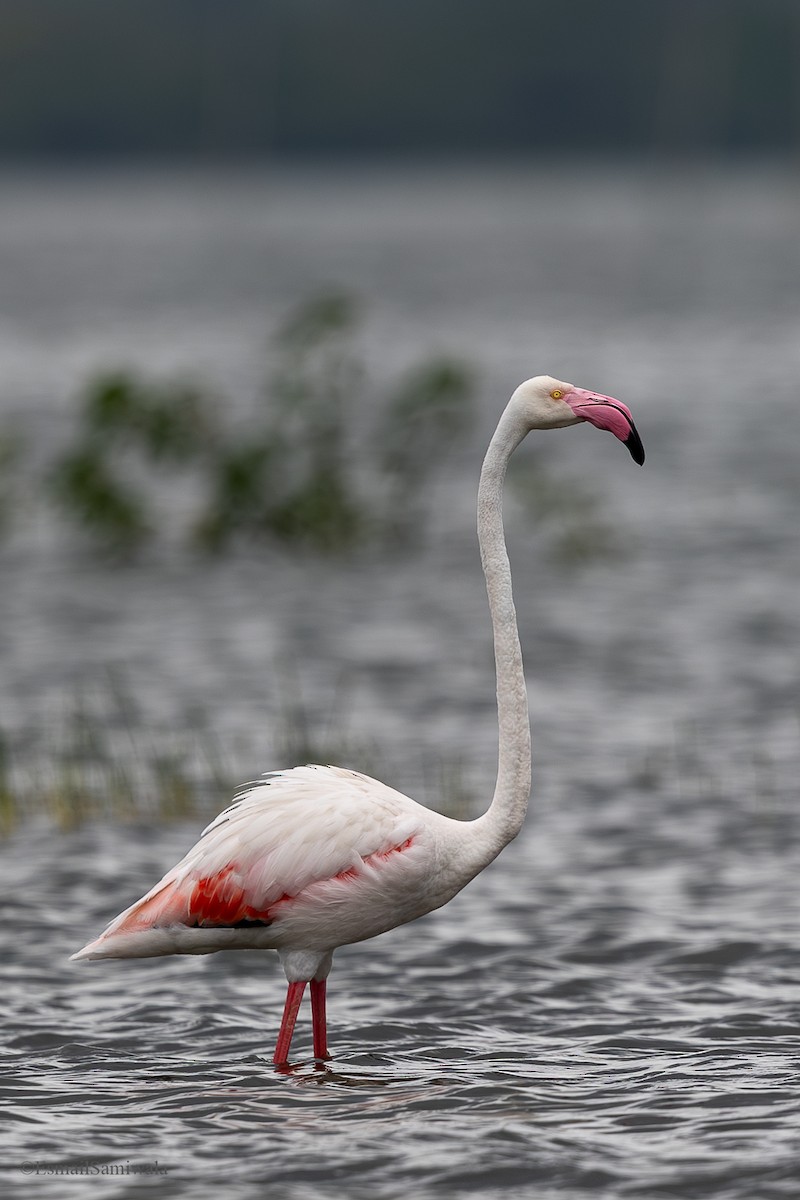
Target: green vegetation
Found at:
104, 762
297, 471
122, 418
322, 461
9, 456
290, 476
425, 412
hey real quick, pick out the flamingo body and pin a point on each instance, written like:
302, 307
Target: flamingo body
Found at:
302, 862
313, 858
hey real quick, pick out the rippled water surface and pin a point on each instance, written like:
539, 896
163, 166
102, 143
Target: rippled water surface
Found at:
613, 1008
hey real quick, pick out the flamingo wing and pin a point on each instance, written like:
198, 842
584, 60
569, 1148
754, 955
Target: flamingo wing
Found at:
281, 834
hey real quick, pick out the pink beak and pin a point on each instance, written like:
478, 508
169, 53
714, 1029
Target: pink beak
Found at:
607, 413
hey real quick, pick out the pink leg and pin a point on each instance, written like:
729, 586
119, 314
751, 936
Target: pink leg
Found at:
294, 994
318, 1020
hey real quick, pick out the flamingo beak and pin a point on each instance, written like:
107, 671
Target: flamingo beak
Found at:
607, 413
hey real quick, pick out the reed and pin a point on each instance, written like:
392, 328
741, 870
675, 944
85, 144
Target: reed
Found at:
101, 761
290, 472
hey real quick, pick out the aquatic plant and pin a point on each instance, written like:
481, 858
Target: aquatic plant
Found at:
170, 423
290, 475
89, 491
10, 448
295, 475
126, 424
102, 760
290, 472
424, 412
324, 460
9, 813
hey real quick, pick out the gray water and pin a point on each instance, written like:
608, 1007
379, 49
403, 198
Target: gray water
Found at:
613, 1008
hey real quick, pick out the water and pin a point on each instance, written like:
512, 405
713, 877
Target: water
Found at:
614, 1007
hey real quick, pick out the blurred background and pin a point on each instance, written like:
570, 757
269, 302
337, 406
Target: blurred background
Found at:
268, 273
199, 79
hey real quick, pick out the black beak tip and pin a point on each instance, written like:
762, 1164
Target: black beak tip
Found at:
634, 444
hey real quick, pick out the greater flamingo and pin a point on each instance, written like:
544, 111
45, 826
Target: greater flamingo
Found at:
313, 858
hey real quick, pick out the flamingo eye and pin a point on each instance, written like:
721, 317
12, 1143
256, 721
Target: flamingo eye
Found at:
556, 393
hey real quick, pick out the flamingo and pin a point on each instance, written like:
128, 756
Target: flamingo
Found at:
316, 857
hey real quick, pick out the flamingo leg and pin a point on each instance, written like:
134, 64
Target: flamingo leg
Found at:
294, 994
318, 1019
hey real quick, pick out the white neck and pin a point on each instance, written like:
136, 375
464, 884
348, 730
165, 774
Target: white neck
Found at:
503, 820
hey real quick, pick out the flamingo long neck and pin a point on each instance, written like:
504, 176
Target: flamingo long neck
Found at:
504, 818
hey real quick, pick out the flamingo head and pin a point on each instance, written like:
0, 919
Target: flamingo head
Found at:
553, 404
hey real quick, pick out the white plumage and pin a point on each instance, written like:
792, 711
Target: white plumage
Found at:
308, 857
